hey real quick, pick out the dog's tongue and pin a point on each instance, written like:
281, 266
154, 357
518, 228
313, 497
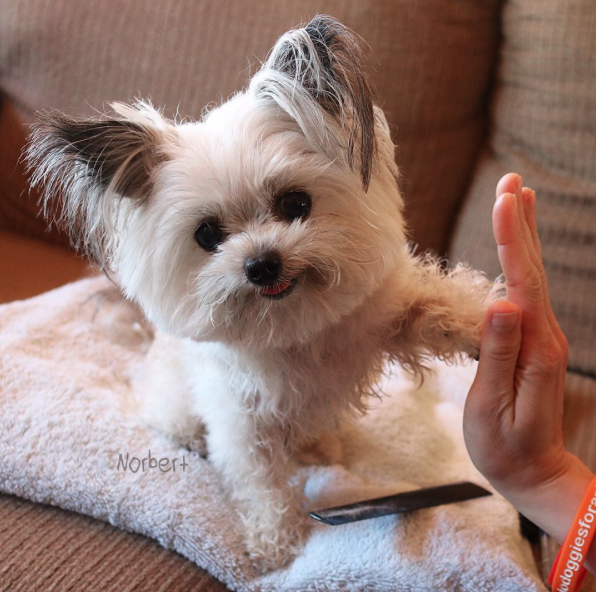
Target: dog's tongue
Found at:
276, 289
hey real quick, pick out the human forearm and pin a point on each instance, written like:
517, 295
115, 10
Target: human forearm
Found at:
553, 505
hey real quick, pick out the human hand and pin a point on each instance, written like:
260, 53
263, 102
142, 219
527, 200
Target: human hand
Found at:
513, 414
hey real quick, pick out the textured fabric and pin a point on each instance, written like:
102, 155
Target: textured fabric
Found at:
45, 548
580, 418
29, 267
33, 535
544, 127
431, 62
66, 417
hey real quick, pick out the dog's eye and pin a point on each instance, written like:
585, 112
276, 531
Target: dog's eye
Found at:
294, 205
208, 235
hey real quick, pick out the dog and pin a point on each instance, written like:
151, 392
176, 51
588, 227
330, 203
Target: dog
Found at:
266, 244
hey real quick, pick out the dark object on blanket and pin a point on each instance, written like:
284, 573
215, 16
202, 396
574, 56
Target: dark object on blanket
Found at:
523, 70
400, 502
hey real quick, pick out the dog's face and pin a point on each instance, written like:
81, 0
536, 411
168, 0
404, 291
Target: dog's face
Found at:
262, 224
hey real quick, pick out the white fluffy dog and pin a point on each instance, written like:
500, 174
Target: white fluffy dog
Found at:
266, 244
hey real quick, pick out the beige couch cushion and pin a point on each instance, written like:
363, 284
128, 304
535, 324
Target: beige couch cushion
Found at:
431, 64
544, 127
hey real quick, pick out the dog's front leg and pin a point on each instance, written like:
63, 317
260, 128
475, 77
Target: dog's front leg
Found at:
255, 468
445, 315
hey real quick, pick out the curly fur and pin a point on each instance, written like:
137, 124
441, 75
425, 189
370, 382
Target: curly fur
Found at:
265, 378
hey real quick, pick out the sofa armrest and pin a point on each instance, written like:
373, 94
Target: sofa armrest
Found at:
29, 267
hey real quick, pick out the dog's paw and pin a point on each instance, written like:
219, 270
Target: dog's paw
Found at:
274, 536
194, 437
326, 450
270, 549
461, 341
473, 345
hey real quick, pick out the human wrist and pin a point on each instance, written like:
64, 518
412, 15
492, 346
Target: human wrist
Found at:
520, 479
552, 503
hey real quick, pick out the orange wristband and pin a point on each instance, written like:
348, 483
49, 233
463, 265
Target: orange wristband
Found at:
568, 571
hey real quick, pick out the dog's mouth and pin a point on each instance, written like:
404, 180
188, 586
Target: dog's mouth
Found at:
279, 290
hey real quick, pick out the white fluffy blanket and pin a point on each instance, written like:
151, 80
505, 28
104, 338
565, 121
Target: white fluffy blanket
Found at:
66, 359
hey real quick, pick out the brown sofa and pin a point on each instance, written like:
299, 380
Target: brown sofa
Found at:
472, 89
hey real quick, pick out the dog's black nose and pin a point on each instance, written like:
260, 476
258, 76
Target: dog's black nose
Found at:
263, 270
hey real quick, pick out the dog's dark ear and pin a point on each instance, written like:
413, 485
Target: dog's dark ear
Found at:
116, 152
327, 60
85, 165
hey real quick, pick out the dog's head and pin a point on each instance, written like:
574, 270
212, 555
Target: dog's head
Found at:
262, 224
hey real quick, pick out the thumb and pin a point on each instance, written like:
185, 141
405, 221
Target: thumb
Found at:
499, 351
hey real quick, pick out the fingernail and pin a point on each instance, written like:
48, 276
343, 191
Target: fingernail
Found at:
528, 195
504, 322
505, 196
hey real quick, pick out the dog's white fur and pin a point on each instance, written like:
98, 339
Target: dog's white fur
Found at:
266, 378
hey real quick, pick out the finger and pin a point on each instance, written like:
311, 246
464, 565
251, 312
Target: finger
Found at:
525, 288
523, 280
524, 284
508, 184
512, 183
493, 391
529, 203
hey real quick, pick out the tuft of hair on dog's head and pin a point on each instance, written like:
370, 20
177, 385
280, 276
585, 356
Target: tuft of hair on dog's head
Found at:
87, 166
134, 189
320, 69
90, 164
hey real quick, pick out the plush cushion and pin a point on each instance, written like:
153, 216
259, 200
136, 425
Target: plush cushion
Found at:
72, 388
544, 127
431, 62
